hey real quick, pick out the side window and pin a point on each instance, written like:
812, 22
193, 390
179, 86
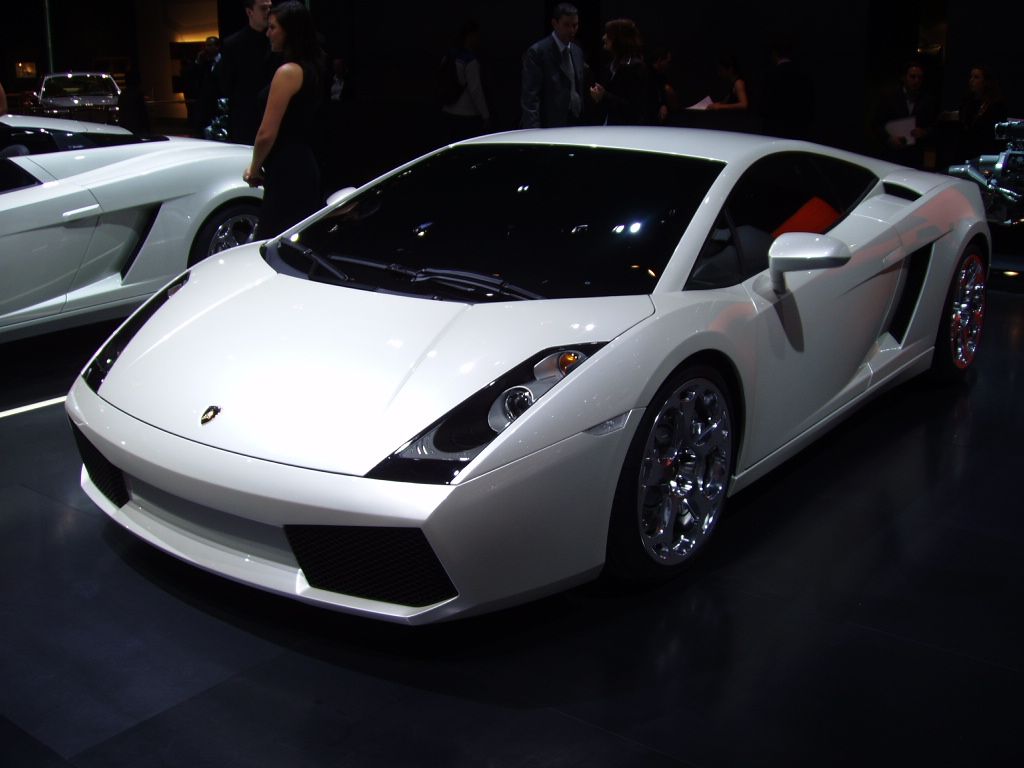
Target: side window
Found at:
65, 141
718, 263
13, 177
785, 192
27, 141
730, 255
844, 184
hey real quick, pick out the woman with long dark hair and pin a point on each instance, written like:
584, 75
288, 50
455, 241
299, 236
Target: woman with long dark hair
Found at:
980, 110
626, 95
282, 155
736, 98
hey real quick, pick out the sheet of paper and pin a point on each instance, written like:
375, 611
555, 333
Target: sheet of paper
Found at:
902, 128
702, 104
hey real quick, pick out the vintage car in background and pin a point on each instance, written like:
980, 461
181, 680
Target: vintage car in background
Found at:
94, 219
1000, 177
523, 360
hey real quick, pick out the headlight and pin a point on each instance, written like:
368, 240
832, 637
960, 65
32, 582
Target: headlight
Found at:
438, 454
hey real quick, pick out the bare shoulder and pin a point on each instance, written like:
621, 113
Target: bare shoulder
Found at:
290, 72
289, 69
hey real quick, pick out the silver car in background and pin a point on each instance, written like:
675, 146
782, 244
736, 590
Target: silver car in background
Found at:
90, 96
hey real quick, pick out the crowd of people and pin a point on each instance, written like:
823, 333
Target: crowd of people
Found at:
275, 85
559, 88
907, 119
286, 99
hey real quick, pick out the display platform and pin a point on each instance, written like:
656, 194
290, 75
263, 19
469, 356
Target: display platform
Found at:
863, 605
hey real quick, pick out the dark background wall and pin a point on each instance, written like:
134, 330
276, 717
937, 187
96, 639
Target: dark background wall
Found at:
850, 50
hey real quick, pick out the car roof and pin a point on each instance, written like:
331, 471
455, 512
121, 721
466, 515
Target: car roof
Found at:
57, 124
77, 74
722, 146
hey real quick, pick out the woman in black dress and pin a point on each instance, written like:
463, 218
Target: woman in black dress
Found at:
282, 155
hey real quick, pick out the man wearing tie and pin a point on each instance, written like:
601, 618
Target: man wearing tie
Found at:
553, 74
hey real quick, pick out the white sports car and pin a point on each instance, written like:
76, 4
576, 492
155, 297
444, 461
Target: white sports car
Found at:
94, 219
521, 360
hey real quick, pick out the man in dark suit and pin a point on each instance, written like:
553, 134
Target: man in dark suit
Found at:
554, 74
246, 68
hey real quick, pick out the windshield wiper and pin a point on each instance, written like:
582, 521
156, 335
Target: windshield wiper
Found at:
317, 261
459, 278
453, 278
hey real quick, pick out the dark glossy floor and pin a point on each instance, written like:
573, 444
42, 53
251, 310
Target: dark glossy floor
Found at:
862, 606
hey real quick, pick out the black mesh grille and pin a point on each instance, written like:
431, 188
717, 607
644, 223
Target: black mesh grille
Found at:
104, 475
393, 565
916, 272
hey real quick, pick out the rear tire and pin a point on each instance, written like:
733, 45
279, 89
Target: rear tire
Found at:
963, 318
673, 484
230, 226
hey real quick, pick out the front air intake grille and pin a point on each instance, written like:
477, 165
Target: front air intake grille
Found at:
104, 475
392, 565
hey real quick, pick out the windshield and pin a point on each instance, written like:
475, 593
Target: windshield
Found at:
78, 85
525, 221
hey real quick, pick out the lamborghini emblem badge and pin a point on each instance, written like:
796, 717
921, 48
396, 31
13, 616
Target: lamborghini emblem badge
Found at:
209, 414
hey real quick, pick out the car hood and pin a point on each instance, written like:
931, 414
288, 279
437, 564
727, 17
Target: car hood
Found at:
325, 377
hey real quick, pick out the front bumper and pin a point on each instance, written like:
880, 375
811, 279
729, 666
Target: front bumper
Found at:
531, 527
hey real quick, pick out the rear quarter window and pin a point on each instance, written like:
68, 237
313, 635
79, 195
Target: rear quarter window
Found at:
13, 176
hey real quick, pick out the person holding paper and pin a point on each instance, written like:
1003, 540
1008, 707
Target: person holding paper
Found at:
905, 118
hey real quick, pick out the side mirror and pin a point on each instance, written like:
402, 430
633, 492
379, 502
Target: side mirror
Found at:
340, 195
800, 251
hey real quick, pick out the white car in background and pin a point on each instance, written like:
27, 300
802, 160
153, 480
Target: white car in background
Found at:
94, 219
521, 360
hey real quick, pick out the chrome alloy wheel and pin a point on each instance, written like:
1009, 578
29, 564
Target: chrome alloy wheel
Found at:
236, 230
684, 471
967, 311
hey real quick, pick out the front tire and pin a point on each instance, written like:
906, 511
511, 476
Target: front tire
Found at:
673, 484
232, 225
963, 318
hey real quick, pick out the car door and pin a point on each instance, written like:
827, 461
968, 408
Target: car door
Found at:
45, 229
813, 340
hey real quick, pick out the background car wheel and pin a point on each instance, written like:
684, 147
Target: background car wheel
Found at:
674, 482
232, 225
963, 317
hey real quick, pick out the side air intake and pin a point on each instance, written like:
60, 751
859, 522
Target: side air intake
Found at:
104, 475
